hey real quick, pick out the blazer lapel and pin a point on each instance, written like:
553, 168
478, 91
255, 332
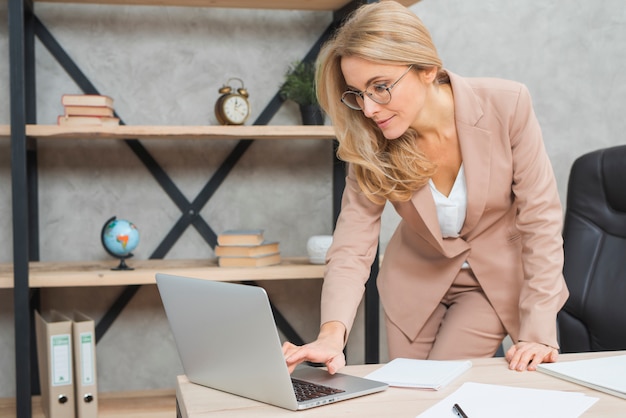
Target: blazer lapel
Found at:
476, 151
426, 212
423, 218
475, 148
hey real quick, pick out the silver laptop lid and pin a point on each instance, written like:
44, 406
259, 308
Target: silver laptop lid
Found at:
227, 339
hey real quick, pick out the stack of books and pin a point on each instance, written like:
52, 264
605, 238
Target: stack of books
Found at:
87, 110
246, 248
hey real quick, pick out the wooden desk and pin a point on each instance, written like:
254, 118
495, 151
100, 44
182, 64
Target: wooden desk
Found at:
196, 401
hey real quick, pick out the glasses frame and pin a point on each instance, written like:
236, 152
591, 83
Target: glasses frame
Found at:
364, 93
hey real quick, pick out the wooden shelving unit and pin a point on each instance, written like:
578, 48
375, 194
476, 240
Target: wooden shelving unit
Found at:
22, 275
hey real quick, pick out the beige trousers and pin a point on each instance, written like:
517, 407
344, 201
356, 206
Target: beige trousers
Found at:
464, 325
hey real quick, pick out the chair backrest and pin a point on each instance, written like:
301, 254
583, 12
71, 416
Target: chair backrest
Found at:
594, 234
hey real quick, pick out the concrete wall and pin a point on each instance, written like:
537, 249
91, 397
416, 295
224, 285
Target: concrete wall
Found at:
163, 66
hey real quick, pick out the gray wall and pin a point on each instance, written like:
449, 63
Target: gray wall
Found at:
163, 66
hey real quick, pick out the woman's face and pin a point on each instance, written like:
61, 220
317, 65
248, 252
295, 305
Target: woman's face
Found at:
407, 96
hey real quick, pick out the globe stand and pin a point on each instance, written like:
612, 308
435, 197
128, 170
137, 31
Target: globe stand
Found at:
123, 265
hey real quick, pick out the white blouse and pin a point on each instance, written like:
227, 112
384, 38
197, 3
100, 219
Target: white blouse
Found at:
451, 209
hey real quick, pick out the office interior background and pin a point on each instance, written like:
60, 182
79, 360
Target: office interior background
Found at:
164, 66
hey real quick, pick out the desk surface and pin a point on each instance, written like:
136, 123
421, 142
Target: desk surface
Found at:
197, 401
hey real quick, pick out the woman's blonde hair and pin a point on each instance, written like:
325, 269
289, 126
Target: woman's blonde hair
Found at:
386, 33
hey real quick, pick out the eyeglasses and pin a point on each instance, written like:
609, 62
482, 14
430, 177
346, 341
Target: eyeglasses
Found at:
378, 93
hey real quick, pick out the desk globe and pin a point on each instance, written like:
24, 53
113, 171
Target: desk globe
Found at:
119, 238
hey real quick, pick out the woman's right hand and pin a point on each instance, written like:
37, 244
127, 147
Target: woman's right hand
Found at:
327, 349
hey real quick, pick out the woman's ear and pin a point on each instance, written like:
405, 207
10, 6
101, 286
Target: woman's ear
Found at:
428, 75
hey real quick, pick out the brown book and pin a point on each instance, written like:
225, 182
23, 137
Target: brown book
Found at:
240, 237
264, 248
88, 111
87, 121
86, 100
261, 261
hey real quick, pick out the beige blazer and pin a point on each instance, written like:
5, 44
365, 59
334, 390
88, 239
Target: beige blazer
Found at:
511, 236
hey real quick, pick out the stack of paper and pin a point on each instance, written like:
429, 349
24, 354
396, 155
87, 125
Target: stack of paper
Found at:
422, 374
605, 374
494, 401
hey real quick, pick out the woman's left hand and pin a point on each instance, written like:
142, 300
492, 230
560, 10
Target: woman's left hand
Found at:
526, 355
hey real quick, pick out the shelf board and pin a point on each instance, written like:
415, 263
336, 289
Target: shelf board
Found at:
321, 5
173, 132
153, 403
99, 273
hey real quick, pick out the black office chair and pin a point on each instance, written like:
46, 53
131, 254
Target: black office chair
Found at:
594, 233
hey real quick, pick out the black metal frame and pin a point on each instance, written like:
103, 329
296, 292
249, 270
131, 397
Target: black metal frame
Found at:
23, 27
21, 56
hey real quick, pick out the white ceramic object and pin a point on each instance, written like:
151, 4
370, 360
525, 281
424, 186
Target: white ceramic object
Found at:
317, 246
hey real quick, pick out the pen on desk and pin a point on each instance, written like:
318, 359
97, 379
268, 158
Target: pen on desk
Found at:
458, 411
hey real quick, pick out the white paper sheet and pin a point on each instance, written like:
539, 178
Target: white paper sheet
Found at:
480, 400
422, 374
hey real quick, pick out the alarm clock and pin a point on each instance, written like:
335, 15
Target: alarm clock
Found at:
232, 107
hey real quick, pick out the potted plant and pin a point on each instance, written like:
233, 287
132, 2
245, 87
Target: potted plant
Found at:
299, 86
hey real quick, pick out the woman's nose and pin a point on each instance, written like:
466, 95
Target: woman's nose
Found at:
370, 107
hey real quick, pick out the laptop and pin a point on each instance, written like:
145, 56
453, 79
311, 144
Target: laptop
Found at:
227, 340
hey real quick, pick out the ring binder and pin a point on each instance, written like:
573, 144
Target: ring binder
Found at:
54, 353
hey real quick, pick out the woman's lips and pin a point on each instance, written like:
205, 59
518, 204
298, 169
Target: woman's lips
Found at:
383, 123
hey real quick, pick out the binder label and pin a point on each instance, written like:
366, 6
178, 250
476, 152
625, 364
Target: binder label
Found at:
61, 359
86, 357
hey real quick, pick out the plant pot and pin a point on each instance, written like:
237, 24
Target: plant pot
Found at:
312, 115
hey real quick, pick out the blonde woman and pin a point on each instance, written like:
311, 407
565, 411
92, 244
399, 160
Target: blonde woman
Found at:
478, 252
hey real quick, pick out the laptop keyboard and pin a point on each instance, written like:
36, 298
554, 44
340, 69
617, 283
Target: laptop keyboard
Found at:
306, 390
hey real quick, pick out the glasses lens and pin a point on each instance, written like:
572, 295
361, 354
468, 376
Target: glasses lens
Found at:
379, 94
352, 99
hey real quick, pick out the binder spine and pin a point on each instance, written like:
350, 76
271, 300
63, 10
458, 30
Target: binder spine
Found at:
85, 366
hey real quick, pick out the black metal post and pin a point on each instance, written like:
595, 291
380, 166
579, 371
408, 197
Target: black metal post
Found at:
372, 317
18, 15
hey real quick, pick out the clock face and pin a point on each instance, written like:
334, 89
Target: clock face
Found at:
236, 109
